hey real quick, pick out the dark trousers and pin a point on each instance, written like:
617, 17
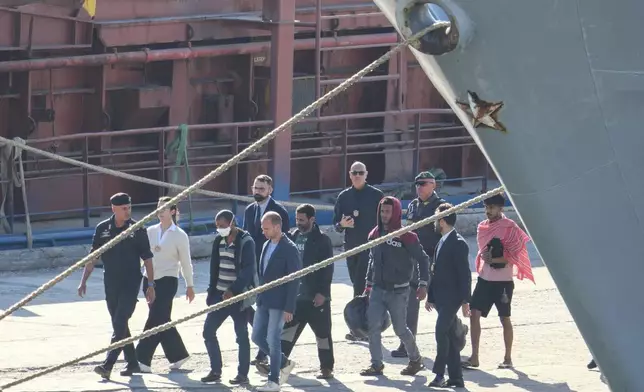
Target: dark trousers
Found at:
448, 352
357, 265
121, 298
413, 307
160, 313
214, 320
320, 321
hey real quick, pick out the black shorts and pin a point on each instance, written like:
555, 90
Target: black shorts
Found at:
488, 293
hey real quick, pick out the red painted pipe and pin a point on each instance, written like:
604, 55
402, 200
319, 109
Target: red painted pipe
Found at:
145, 56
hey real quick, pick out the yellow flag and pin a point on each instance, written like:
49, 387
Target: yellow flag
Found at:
90, 7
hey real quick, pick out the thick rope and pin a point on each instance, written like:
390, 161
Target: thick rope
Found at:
144, 180
267, 286
243, 154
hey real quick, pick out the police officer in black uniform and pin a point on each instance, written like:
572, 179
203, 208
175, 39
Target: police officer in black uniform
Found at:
356, 214
422, 207
122, 278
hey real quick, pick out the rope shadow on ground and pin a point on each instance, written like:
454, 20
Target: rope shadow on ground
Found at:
332, 384
180, 379
419, 383
523, 381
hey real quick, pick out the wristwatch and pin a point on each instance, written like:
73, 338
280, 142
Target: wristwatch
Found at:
151, 284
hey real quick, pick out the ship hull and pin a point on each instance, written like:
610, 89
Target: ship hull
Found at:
571, 77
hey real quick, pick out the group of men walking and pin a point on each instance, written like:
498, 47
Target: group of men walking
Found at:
430, 263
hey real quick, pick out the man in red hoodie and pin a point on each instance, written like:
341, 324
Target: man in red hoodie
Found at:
391, 268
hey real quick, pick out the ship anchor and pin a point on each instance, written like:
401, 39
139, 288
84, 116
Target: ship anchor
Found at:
482, 112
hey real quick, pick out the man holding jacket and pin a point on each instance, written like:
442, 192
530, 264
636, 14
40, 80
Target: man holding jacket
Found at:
391, 267
232, 272
313, 305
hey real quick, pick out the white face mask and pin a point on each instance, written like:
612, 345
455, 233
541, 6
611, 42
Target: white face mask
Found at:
224, 232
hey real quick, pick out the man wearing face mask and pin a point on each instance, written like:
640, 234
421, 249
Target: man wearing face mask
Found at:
420, 208
262, 190
313, 306
232, 272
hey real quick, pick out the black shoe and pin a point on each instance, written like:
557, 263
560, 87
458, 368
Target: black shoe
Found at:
211, 377
324, 374
259, 359
455, 383
413, 367
400, 352
352, 338
263, 368
438, 382
591, 365
130, 370
373, 371
103, 372
239, 380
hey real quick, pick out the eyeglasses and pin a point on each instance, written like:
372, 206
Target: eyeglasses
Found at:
357, 172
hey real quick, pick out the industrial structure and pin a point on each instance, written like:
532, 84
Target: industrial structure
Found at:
168, 90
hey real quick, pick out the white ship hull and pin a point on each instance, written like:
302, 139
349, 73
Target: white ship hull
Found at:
571, 76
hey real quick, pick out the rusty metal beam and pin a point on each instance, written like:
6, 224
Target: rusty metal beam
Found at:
146, 56
281, 95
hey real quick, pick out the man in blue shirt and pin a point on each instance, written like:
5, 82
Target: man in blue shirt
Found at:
275, 306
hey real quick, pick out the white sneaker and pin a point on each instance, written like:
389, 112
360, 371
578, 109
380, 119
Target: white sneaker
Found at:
270, 386
145, 368
178, 364
286, 371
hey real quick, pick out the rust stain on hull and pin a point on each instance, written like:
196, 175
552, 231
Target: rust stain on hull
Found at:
482, 112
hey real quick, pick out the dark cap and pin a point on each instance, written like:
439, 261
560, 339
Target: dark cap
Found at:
425, 176
120, 199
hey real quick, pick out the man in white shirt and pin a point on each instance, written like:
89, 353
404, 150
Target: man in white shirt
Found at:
171, 248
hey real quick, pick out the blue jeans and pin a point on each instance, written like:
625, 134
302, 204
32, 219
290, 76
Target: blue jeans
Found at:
267, 335
214, 320
395, 302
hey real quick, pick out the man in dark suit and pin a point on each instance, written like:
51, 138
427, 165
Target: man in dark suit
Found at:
449, 291
262, 190
276, 306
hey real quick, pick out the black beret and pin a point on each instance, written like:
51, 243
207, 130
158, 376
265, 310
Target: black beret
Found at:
425, 176
120, 199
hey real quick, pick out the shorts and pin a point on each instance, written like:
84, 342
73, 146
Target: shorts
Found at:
488, 293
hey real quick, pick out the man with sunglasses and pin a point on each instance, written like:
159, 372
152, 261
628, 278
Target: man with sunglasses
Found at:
420, 208
355, 215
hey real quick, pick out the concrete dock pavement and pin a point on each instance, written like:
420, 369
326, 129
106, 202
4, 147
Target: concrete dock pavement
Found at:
549, 353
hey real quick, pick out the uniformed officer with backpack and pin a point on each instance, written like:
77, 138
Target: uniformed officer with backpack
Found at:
232, 271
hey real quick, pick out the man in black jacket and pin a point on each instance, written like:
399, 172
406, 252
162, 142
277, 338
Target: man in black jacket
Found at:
355, 214
391, 267
232, 272
449, 290
314, 298
420, 208
262, 190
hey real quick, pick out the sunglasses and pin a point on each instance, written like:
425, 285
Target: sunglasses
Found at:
357, 172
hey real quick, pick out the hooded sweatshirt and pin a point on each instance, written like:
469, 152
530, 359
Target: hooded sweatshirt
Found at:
392, 264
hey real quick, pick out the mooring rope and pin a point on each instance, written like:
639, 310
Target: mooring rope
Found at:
260, 289
19, 143
225, 166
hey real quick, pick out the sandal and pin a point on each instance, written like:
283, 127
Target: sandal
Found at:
468, 365
505, 365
